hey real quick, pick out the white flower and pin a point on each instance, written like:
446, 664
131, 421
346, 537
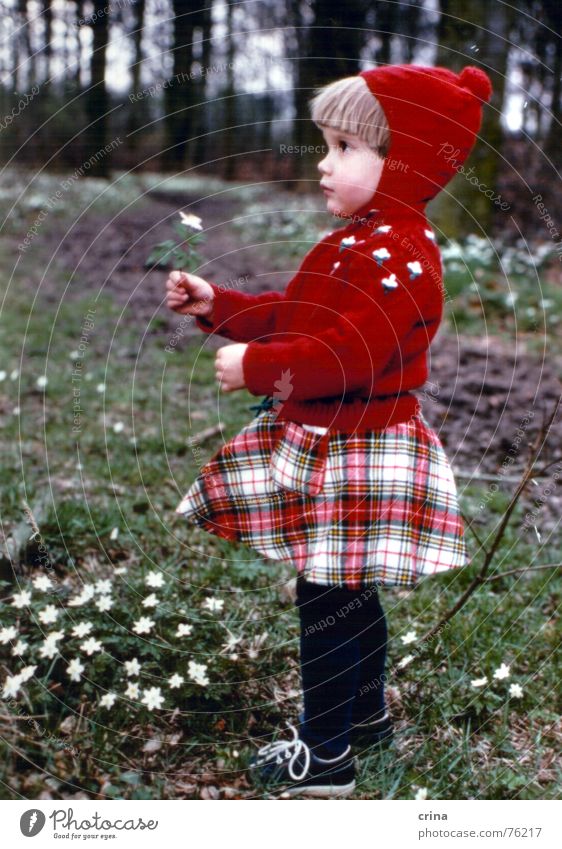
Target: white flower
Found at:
100, 387
7, 634
421, 794
27, 672
82, 629
154, 580
108, 700
42, 582
132, 667
118, 427
347, 242
11, 686
114, 533
191, 220
198, 673
479, 682
184, 630
384, 228
405, 661
175, 681
144, 625
20, 648
430, 234
74, 669
213, 604
48, 615
502, 672
515, 691
380, 255
410, 637
14, 374
132, 691
152, 698
414, 268
103, 587
231, 642
49, 648
21, 599
74, 355
104, 602
87, 593
151, 601
16, 411
3, 375
389, 282
121, 570
41, 382
91, 646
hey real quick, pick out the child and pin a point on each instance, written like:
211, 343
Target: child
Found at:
339, 473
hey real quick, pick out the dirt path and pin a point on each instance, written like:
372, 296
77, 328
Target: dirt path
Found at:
481, 393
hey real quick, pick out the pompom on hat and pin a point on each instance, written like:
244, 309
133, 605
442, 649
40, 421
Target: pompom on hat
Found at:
434, 117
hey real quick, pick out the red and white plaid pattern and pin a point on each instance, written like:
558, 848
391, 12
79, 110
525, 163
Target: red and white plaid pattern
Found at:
354, 509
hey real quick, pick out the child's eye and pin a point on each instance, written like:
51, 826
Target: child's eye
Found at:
343, 145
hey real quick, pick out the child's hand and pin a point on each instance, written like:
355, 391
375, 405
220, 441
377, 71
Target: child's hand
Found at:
189, 294
228, 367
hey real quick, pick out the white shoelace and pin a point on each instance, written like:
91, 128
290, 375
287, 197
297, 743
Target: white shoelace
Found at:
283, 750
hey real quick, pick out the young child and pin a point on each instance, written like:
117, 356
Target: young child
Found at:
339, 472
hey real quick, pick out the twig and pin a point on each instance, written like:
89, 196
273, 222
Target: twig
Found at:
206, 434
524, 569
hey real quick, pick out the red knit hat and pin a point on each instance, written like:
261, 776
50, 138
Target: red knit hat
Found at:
434, 115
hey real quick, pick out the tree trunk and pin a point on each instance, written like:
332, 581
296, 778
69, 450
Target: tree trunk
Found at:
473, 28
48, 49
199, 153
229, 94
137, 112
97, 98
178, 94
328, 48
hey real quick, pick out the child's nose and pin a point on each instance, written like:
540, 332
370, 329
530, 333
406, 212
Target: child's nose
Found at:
323, 165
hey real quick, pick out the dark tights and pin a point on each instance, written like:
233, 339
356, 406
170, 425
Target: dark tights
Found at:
343, 645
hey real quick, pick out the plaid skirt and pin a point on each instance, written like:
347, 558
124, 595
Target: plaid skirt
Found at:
352, 509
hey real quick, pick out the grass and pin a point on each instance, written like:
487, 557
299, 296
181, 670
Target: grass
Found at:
453, 740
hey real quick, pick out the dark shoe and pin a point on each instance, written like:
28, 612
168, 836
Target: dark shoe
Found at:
368, 733
290, 767
373, 732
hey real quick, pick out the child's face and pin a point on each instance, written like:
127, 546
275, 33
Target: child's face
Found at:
351, 171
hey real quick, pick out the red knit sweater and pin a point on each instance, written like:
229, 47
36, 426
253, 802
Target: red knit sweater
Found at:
347, 341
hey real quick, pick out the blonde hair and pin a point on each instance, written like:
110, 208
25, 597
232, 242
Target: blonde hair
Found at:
348, 105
